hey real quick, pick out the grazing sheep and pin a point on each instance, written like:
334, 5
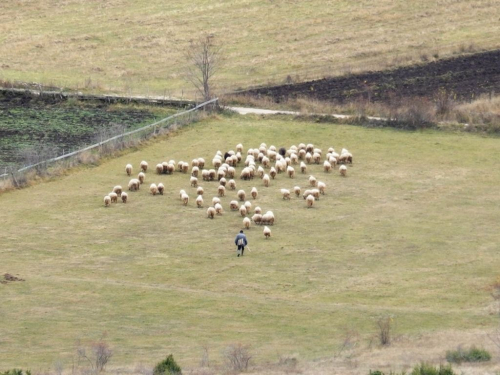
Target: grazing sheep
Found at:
201, 163
230, 172
303, 167
257, 219
144, 166
345, 158
315, 193
182, 191
159, 168
216, 162
316, 158
211, 212
306, 193
265, 162
199, 190
205, 175
312, 181
233, 206
161, 188
134, 184
117, 189
223, 181
294, 159
245, 174
195, 171
258, 210
194, 163
128, 169
239, 147
124, 197
218, 209
333, 161
246, 223
267, 232
327, 167
330, 150
285, 193
321, 187
248, 206
215, 200
185, 199
231, 184
241, 195
273, 172
185, 167
243, 210
271, 155
260, 171
308, 158
180, 164
310, 201
211, 174
302, 146
266, 180
302, 154
168, 168
107, 201
193, 181
343, 170
296, 189
153, 189
199, 201
268, 218
114, 197
310, 148
291, 172
221, 190
221, 173
141, 176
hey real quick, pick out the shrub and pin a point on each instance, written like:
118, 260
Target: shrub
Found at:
15, 371
384, 325
427, 369
167, 367
472, 354
237, 357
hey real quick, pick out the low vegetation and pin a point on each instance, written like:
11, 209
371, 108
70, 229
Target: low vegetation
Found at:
421, 369
473, 354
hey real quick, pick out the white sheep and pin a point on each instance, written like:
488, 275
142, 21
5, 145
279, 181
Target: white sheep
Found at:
185, 167
199, 201
205, 175
327, 167
161, 188
246, 223
114, 197
195, 171
310, 147
193, 181
201, 163
302, 154
141, 177
248, 206
215, 200
260, 171
124, 197
212, 174
303, 167
285, 193
107, 201
343, 170
221, 190
223, 181
308, 158
315, 193
312, 181
231, 184
128, 169
241, 195
258, 210
153, 189
243, 210
185, 199
291, 172
134, 184
321, 187
233, 206
296, 190
144, 166
230, 172
218, 209
194, 163
181, 192
254, 193
159, 168
268, 218
117, 189
266, 180
169, 169
239, 147
267, 232
199, 190
273, 172
306, 193
257, 219
210, 212
310, 201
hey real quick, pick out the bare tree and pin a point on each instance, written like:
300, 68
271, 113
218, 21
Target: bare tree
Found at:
204, 58
99, 356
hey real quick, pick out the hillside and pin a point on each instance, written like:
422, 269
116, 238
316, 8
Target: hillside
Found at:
139, 46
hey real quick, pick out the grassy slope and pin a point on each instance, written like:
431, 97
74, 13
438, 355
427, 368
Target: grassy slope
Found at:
139, 45
412, 232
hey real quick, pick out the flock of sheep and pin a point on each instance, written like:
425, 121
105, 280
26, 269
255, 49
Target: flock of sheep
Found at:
263, 162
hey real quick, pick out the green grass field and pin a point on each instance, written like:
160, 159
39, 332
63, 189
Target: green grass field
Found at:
138, 46
412, 231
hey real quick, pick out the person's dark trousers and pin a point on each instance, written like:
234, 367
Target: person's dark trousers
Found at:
242, 248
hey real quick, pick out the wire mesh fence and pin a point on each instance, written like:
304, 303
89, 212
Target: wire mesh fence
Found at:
39, 164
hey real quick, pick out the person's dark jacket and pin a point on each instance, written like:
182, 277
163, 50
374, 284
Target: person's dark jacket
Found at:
240, 235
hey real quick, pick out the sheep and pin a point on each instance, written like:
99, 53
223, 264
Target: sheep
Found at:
221, 173
310, 148
141, 177
124, 197
302, 154
159, 168
285, 193
230, 172
134, 184
243, 210
316, 158
291, 172
246, 223
317, 151
265, 180
308, 158
182, 191
107, 201
194, 163
144, 166
312, 181
306, 193
273, 172
258, 210
195, 171
271, 155
267, 232
223, 181
211, 212
205, 175
309, 201
221, 190
218, 209
254, 193
330, 150
216, 162
199, 190
303, 167
117, 189
260, 171
343, 170
193, 181
345, 158
233, 206
265, 162
296, 189
321, 187
180, 164
185, 167
215, 200
128, 169
241, 195
231, 184
257, 219
114, 197
161, 188
333, 161
248, 206
268, 218
315, 193
201, 163
153, 189
169, 168
327, 167
239, 147
211, 174
185, 199
302, 146
294, 159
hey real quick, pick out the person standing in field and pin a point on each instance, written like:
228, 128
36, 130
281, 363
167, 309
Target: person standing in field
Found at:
241, 242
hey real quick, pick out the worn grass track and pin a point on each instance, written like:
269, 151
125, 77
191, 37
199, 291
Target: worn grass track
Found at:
138, 45
412, 231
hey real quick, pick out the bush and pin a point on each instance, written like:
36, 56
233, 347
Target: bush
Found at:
15, 371
467, 355
167, 367
426, 369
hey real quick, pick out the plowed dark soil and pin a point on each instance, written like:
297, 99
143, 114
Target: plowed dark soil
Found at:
465, 77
